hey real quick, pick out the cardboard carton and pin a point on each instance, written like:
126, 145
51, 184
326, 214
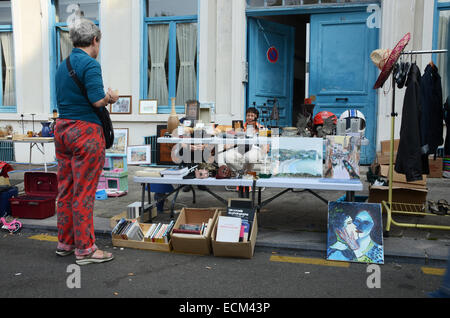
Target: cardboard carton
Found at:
377, 194
399, 180
383, 158
194, 244
239, 249
386, 146
141, 245
435, 167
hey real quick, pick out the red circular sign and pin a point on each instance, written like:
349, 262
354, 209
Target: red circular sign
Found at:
272, 54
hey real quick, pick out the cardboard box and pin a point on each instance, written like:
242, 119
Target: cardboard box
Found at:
4, 181
377, 194
435, 167
238, 250
384, 158
386, 146
142, 245
194, 244
399, 179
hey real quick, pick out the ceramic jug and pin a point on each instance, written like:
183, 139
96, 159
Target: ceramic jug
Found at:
172, 122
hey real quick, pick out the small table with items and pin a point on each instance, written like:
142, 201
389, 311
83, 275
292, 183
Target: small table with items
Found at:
38, 142
293, 184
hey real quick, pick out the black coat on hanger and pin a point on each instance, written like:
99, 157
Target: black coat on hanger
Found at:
410, 161
447, 124
431, 121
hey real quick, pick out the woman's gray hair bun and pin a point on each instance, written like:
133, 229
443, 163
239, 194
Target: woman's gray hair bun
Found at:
83, 31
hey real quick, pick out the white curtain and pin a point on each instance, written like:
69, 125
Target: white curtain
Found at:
65, 44
187, 50
441, 59
158, 39
9, 91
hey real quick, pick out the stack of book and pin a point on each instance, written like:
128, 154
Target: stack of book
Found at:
236, 226
128, 230
159, 232
175, 173
189, 230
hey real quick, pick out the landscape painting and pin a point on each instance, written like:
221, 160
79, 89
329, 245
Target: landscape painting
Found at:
297, 157
342, 157
355, 232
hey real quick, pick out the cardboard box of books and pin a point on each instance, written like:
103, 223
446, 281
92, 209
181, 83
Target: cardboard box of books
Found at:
234, 233
132, 234
192, 231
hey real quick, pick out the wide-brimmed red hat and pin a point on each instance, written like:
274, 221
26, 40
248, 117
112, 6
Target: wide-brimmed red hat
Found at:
385, 59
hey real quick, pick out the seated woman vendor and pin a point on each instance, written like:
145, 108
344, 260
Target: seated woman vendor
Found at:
237, 157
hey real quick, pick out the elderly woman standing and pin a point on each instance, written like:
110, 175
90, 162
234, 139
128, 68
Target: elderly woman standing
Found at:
80, 145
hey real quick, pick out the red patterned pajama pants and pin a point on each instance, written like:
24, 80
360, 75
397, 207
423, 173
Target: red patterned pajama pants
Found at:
80, 152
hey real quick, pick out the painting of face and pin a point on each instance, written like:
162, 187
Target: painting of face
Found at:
355, 232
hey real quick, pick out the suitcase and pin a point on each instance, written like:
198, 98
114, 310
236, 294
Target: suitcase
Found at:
7, 192
41, 190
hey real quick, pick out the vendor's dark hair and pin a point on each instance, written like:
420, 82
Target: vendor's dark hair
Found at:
253, 110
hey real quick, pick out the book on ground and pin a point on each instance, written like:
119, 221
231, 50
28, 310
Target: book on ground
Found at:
228, 229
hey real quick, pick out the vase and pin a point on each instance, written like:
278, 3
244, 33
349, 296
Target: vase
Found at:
172, 121
46, 131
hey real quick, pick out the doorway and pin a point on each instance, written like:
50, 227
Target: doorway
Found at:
283, 79
341, 75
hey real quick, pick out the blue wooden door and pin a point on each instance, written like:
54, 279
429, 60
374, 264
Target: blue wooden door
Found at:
270, 63
341, 72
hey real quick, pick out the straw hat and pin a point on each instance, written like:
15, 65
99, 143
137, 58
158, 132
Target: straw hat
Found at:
385, 59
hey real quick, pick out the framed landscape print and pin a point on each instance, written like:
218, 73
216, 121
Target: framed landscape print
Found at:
120, 141
122, 106
148, 106
137, 155
297, 157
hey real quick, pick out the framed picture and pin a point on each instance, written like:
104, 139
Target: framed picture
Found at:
122, 106
148, 106
355, 232
297, 157
137, 155
192, 111
120, 141
342, 157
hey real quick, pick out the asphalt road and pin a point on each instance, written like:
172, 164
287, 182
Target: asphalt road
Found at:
30, 268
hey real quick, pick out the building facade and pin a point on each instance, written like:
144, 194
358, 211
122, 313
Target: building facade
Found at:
228, 54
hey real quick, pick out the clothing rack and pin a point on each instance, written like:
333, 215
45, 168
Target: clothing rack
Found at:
404, 208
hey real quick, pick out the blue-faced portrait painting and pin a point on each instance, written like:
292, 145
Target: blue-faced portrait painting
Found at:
355, 232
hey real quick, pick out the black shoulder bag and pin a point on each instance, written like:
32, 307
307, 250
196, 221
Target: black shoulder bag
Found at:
101, 112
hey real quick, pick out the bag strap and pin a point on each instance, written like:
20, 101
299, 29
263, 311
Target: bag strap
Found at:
74, 76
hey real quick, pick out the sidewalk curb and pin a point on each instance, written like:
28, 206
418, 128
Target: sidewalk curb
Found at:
313, 242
